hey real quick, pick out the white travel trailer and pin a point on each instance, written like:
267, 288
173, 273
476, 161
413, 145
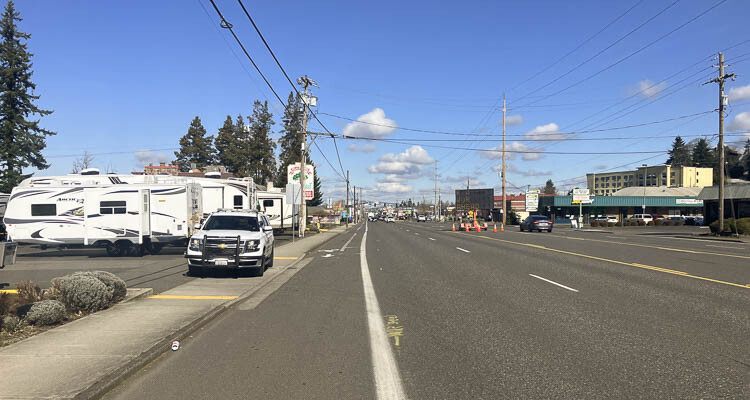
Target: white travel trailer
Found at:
126, 219
233, 193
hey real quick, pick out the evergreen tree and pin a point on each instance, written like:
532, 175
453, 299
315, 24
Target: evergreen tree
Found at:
702, 154
745, 160
549, 187
227, 148
21, 138
262, 161
195, 147
318, 192
242, 146
679, 154
291, 138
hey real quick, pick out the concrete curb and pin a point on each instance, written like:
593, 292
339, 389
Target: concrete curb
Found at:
137, 293
109, 382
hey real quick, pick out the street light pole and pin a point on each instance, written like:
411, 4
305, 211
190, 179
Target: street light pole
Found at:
645, 183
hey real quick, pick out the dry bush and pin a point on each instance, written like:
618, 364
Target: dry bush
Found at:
28, 292
119, 289
10, 323
84, 292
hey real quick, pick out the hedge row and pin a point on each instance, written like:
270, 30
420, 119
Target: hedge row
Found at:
742, 226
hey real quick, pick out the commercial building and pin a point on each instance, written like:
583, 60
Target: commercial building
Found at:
161, 169
607, 183
623, 206
736, 201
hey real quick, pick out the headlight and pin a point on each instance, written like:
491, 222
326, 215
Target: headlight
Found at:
251, 245
195, 244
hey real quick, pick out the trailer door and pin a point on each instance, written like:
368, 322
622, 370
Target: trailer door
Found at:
145, 214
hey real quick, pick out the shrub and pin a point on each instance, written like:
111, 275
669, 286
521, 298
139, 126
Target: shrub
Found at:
679, 223
611, 224
642, 223
46, 312
659, 222
119, 289
619, 223
669, 223
743, 226
650, 223
10, 323
595, 224
83, 292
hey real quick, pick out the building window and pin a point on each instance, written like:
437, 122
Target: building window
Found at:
238, 202
112, 207
43, 210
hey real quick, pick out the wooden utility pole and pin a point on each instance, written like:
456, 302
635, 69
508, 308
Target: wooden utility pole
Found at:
346, 206
303, 205
722, 103
502, 225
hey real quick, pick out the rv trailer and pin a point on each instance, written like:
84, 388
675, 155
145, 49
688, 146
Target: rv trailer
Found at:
126, 219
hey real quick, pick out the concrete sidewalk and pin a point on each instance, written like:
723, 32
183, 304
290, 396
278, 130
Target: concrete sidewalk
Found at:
86, 357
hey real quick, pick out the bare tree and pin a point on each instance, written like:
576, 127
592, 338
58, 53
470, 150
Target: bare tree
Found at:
82, 163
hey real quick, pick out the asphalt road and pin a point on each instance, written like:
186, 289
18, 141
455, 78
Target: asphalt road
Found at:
485, 315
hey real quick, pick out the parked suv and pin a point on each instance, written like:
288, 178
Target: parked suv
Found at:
641, 217
232, 239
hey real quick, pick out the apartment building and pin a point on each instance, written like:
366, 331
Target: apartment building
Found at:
607, 183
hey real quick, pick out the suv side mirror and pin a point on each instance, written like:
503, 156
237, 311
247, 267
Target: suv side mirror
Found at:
267, 228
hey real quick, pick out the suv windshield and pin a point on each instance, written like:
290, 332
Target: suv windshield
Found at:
232, 223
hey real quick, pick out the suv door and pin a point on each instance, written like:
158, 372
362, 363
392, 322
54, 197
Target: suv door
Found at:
268, 234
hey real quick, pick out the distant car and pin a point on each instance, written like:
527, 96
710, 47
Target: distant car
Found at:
659, 217
536, 222
607, 218
390, 219
676, 218
421, 218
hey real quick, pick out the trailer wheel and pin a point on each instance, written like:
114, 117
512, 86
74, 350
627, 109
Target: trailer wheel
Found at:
156, 248
135, 250
113, 251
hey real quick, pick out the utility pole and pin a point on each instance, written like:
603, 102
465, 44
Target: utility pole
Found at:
435, 209
346, 206
502, 225
305, 81
722, 103
361, 205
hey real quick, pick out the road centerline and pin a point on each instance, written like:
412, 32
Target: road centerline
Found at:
464, 250
387, 377
554, 283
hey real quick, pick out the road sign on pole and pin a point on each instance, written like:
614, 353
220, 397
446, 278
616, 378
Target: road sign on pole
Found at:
532, 200
293, 176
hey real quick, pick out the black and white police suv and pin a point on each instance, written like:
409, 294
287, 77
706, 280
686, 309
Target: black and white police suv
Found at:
232, 239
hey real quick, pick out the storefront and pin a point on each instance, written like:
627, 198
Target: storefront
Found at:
622, 207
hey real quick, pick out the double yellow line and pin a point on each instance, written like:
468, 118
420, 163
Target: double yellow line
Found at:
636, 265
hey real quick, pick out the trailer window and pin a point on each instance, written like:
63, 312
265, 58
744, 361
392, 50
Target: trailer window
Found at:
41, 210
238, 202
112, 207
267, 203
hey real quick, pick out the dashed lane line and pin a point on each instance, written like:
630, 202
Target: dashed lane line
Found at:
554, 283
431, 238
636, 265
464, 250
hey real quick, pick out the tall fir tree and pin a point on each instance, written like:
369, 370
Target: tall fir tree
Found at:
21, 138
262, 158
227, 148
242, 146
549, 187
679, 154
745, 160
291, 138
195, 147
702, 154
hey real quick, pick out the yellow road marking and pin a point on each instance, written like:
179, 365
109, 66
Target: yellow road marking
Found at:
9, 291
169, 296
636, 265
658, 247
285, 258
323, 230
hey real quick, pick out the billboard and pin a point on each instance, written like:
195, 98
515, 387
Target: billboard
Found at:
293, 176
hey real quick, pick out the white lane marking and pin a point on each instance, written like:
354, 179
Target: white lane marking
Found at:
431, 238
464, 250
387, 377
554, 283
416, 233
348, 241
726, 247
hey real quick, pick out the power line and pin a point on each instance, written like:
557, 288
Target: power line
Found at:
737, 133
600, 52
660, 38
305, 102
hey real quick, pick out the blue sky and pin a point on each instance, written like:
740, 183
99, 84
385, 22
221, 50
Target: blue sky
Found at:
127, 78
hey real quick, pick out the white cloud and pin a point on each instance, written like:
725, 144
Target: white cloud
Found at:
365, 148
411, 161
741, 122
739, 93
513, 120
393, 187
372, 126
532, 172
550, 131
144, 157
647, 88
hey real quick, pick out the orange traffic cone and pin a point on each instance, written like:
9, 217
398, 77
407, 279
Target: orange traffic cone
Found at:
479, 228
495, 229
454, 227
502, 227
467, 227
485, 226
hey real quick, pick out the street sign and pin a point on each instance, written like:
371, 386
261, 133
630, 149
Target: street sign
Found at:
580, 196
532, 200
293, 193
293, 176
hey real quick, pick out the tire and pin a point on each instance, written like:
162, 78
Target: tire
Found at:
260, 270
270, 262
521, 228
113, 251
156, 248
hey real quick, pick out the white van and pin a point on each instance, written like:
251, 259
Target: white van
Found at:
641, 217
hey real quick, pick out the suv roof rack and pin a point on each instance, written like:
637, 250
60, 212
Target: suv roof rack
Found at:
239, 210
